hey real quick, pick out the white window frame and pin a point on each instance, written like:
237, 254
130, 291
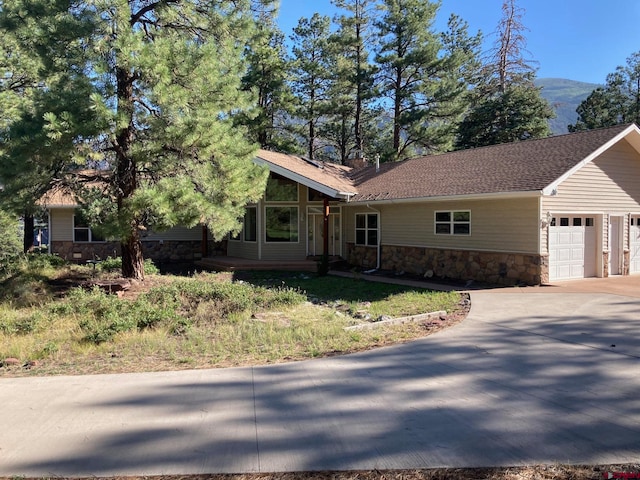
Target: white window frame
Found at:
367, 229
451, 222
83, 228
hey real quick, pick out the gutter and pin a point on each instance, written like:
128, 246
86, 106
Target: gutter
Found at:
451, 198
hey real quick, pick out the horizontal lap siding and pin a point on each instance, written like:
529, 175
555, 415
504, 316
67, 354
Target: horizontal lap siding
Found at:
242, 249
61, 224
609, 184
496, 225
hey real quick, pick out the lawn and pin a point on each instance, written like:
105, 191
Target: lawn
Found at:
52, 321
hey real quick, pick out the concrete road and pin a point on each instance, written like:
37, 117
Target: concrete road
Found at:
527, 378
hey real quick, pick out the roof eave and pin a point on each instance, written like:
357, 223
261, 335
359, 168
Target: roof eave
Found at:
306, 181
443, 198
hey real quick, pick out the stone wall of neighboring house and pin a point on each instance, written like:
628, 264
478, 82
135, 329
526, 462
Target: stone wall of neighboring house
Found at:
165, 251
490, 267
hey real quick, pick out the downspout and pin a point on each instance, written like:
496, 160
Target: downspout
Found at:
259, 222
379, 246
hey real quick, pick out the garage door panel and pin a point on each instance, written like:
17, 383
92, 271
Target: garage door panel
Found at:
572, 250
634, 245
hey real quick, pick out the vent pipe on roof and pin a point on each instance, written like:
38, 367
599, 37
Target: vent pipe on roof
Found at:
377, 162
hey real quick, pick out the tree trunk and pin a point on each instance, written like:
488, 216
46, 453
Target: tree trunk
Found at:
127, 182
132, 258
27, 239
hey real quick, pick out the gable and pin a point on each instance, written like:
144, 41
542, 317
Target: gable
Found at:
609, 182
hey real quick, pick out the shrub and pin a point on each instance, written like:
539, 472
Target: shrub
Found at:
111, 264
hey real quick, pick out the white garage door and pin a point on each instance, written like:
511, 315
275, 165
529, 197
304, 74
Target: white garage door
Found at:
572, 248
634, 245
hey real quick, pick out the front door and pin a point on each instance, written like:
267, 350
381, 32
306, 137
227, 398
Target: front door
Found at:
315, 237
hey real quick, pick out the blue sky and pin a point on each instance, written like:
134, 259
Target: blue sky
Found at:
575, 39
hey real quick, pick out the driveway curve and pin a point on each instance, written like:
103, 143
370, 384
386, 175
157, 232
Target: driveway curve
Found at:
530, 376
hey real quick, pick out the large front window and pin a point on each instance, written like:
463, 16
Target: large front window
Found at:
367, 229
281, 224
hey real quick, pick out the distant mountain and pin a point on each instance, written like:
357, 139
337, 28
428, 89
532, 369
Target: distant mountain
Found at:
564, 96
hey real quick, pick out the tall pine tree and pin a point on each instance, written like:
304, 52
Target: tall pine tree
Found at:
353, 89
146, 92
416, 78
311, 68
267, 79
506, 105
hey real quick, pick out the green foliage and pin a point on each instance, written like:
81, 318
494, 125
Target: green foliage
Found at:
111, 264
519, 113
311, 70
10, 238
147, 94
615, 103
421, 75
506, 106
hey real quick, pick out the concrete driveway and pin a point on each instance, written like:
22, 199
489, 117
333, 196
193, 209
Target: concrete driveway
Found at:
532, 376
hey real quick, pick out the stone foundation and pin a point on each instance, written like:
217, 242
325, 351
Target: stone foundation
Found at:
166, 251
490, 267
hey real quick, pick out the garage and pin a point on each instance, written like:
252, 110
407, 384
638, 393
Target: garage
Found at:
634, 244
572, 247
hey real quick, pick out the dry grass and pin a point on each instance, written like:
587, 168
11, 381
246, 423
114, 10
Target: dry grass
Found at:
537, 472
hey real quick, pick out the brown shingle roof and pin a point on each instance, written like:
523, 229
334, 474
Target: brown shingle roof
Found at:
523, 166
331, 175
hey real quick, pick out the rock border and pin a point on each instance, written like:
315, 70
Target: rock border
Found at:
399, 321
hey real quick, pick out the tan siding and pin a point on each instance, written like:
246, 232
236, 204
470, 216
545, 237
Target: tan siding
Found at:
496, 225
242, 249
61, 224
610, 183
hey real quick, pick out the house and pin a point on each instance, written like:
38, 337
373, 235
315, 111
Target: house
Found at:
530, 212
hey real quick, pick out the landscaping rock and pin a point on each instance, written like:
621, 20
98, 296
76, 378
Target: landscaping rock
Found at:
11, 362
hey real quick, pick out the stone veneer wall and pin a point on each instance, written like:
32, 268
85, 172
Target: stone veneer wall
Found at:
492, 267
165, 251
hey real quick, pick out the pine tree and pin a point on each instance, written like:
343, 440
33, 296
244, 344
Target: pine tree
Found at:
267, 78
311, 76
146, 93
615, 103
416, 77
506, 105
352, 90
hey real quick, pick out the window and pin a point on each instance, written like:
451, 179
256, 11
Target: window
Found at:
82, 232
250, 224
367, 229
281, 224
281, 189
453, 223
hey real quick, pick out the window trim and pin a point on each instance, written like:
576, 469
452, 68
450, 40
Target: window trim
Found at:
83, 228
367, 229
452, 222
255, 225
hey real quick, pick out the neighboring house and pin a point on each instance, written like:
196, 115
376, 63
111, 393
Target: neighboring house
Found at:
529, 212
